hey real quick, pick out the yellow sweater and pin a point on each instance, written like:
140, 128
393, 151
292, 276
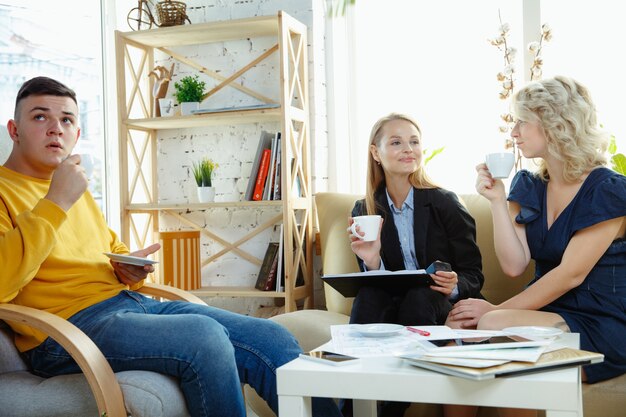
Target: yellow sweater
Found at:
51, 259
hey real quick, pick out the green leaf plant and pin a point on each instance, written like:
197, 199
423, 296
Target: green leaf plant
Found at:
428, 155
618, 160
189, 89
203, 172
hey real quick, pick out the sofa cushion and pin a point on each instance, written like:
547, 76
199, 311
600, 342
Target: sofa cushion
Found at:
310, 327
150, 394
146, 394
497, 287
10, 358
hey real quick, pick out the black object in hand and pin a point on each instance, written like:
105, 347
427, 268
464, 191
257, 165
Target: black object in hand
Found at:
438, 266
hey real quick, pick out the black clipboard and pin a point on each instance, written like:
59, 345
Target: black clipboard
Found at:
349, 284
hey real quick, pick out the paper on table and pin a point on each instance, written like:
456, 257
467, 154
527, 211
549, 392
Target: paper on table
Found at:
553, 360
527, 354
462, 333
348, 341
467, 362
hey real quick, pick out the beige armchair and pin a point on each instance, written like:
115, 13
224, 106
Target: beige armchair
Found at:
94, 392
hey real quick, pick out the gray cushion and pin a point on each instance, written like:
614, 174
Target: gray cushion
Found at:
22, 394
146, 394
10, 359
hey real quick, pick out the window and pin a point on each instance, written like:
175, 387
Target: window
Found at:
39, 37
588, 45
432, 61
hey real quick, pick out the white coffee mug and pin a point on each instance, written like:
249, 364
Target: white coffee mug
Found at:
368, 225
87, 162
500, 164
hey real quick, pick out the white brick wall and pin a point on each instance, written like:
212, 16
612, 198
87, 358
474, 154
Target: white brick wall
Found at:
234, 147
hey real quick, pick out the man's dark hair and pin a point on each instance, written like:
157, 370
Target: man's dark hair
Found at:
43, 86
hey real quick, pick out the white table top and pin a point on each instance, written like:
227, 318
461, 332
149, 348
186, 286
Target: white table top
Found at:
393, 379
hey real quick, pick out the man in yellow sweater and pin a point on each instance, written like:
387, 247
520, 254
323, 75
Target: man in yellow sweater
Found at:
52, 239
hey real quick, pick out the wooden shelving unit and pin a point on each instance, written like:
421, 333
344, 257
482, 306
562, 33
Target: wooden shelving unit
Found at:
135, 55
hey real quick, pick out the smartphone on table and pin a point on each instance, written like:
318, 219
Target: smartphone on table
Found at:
328, 358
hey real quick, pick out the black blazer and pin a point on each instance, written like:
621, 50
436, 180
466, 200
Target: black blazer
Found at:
444, 231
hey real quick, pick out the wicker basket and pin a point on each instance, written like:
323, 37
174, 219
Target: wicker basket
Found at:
171, 13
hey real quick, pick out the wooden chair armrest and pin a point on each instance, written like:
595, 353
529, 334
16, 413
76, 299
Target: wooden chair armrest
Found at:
169, 292
94, 365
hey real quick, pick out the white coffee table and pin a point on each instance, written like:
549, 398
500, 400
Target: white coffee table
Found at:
370, 379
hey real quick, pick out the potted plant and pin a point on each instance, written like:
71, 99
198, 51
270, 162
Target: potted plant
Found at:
203, 173
189, 93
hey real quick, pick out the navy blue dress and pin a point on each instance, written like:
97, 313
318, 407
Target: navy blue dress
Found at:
597, 308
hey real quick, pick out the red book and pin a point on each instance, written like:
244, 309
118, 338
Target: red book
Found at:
262, 176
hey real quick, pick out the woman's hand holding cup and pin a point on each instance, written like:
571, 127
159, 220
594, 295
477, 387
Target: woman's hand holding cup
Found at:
486, 185
364, 233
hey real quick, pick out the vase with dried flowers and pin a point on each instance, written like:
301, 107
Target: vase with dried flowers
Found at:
507, 76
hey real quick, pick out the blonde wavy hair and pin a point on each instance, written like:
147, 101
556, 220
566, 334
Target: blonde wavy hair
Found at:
376, 174
564, 109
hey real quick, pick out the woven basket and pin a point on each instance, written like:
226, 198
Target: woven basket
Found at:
171, 13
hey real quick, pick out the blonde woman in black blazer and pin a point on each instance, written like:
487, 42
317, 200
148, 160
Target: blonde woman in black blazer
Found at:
442, 229
422, 223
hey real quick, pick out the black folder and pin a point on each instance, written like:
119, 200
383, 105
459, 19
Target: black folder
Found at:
349, 284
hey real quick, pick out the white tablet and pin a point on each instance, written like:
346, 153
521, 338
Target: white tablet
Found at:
132, 260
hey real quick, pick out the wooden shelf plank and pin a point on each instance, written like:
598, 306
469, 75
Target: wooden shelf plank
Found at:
202, 206
209, 119
232, 291
206, 32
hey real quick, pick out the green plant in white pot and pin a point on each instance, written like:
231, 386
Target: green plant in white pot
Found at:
189, 93
203, 174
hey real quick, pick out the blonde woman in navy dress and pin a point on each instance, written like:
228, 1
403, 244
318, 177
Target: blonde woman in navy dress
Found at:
570, 217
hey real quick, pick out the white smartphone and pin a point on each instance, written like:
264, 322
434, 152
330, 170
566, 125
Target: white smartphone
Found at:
328, 358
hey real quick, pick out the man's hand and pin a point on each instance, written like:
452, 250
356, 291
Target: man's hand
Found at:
68, 183
132, 274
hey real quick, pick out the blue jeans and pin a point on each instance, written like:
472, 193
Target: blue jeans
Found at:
211, 351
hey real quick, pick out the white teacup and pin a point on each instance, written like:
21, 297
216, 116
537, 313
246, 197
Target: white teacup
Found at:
368, 225
500, 164
87, 162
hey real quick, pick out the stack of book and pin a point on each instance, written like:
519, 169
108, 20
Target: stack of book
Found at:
270, 276
497, 356
264, 182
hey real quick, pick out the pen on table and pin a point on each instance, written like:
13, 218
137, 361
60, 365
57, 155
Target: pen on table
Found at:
418, 331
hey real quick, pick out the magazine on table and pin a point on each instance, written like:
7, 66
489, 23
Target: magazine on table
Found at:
473, 369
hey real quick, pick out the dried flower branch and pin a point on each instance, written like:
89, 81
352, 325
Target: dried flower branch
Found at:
506, 77
535, 49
